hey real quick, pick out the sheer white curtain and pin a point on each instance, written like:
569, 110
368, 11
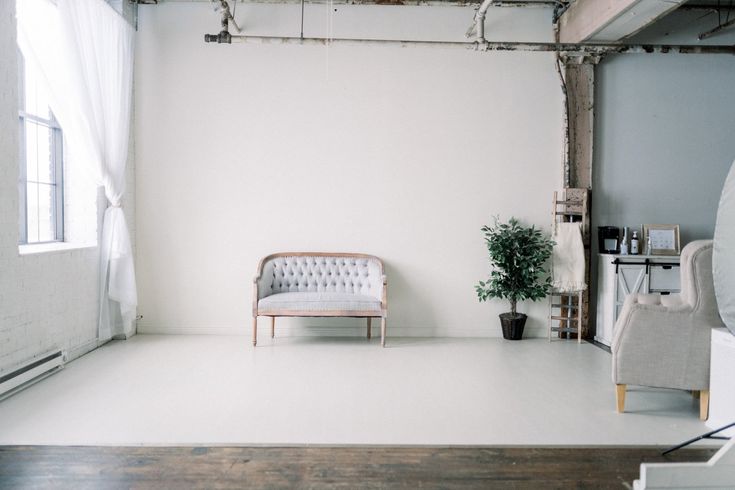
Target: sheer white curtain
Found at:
84, 50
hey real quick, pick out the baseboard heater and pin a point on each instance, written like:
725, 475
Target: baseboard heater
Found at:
31, 372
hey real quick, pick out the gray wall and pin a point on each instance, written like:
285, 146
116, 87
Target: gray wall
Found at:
665, 133
665, 140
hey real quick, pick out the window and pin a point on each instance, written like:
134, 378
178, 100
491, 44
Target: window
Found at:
41, 184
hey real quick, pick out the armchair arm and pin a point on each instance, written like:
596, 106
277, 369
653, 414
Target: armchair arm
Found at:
256, 283
646, 312
660, 345
261, 283
256, 279
384, 297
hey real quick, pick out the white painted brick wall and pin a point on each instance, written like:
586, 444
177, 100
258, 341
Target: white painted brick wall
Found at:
47, 300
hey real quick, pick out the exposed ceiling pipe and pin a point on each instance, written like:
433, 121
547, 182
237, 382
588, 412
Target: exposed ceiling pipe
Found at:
480, 44
402, 3
224, 35
569, 49
478, 27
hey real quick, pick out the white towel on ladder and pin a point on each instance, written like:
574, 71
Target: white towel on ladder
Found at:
567, 259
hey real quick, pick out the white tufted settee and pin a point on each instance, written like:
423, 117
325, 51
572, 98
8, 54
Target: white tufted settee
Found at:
320, 284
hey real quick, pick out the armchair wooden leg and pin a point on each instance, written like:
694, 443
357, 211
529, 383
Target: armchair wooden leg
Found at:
369, 328
620, 398
382, 332
255, 330
273, 327
703, 404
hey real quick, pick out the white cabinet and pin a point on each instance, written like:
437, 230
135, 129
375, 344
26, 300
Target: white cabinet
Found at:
621, 275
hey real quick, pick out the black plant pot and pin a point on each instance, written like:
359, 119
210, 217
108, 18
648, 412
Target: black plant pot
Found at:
513, 325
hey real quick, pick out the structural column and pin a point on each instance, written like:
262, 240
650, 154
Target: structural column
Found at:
579, 75
579, 91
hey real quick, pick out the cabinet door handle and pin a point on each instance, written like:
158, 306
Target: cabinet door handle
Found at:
665, 293
666, 267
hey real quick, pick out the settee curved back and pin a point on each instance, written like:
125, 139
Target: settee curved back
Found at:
321, 273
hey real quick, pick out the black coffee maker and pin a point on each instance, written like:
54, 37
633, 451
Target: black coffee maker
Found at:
609, 239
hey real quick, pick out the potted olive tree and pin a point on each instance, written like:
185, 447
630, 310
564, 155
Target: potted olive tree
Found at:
518, 256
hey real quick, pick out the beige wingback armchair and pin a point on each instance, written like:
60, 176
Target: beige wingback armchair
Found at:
664, 341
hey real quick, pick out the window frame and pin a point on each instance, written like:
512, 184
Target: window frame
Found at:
56, 164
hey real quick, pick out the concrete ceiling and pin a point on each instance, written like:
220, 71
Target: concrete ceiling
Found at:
712, 4
610, 20
606, 21
601, 21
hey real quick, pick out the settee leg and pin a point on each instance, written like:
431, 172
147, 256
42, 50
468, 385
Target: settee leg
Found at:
382, 332
703, 404
273, 327
255, 330
620, 397
369, 328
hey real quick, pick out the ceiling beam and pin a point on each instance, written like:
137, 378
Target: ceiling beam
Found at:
610, 20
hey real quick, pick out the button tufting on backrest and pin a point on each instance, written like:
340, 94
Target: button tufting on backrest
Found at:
323, 274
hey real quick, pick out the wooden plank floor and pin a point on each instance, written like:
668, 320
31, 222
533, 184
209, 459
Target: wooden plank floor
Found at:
60, 467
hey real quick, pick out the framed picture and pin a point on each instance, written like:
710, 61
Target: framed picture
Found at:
664, 239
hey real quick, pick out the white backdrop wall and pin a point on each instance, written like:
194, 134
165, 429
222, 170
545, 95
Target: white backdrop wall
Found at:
404, 153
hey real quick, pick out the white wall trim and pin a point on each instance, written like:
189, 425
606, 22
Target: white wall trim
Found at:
333, 331
80, 350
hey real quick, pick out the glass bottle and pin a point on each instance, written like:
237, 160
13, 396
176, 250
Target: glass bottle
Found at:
634, 243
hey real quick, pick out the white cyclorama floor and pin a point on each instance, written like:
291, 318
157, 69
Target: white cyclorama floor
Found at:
211, 390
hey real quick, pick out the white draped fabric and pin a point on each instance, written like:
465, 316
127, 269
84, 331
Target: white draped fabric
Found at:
567, 258
84, 51
723, 255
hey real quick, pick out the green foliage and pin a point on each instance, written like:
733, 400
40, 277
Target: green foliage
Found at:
518, 256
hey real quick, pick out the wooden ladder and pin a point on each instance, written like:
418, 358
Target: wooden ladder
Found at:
567, 311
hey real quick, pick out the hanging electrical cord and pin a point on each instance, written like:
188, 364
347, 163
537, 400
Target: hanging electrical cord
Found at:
330, 27
329, 35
